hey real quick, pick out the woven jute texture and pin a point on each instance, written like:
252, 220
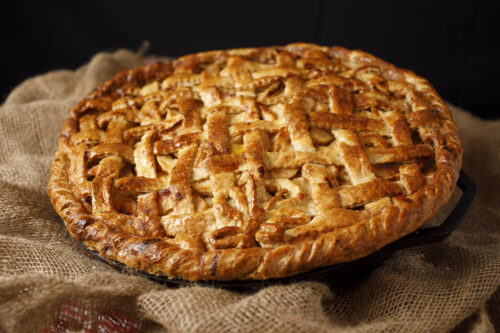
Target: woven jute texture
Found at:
434, 288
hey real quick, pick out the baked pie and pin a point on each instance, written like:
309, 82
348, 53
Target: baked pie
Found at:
253, 163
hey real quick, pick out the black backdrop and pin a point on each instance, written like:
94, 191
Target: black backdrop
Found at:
455, 44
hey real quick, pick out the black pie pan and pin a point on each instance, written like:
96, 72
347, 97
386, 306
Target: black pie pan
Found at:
338, 274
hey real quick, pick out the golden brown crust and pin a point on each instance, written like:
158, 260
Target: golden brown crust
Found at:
254, 163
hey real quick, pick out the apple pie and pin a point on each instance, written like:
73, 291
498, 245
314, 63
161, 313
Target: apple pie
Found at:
253, 163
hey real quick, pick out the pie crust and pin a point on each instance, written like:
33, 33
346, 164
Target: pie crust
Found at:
253, 163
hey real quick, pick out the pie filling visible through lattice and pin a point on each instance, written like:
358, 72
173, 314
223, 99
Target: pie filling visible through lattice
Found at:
253, 163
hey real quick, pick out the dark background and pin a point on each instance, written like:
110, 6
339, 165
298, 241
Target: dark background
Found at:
454, 44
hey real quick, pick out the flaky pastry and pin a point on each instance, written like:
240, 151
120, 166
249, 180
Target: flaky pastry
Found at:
253, 163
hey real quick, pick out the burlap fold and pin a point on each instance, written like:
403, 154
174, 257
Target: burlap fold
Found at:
433, 288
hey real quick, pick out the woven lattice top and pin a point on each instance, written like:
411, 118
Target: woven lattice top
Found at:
260, 154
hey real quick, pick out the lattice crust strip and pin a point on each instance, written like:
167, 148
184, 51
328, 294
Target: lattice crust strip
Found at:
254, 163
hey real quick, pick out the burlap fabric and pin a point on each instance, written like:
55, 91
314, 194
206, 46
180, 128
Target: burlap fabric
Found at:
434, 288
